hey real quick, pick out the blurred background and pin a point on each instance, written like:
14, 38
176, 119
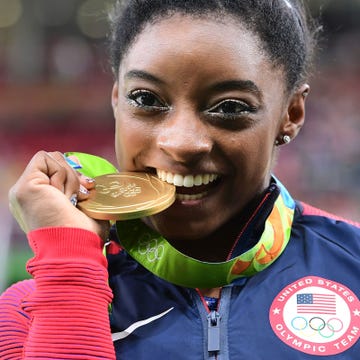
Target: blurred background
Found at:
55, 86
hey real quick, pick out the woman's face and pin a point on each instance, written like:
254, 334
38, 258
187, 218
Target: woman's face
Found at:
199, 103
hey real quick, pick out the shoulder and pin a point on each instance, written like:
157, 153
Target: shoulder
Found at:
15, 321
12, 298
16, 292
312, 223
308, 210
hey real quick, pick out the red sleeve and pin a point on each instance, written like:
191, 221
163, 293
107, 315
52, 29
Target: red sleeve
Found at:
68, 308
14, 321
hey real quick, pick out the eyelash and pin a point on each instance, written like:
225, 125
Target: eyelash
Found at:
134, 96
245, 108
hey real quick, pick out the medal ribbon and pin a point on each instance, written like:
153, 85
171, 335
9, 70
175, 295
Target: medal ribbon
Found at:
158, 256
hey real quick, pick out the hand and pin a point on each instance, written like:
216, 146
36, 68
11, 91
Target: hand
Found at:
41, 196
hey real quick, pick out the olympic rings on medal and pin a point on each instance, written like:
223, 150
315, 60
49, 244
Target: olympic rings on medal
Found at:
326, 329
151, 248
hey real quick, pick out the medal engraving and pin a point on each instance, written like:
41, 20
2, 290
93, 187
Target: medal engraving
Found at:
117, 189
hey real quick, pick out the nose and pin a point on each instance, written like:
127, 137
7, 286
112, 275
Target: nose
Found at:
184, 137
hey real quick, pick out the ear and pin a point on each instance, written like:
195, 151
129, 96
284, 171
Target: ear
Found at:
295, 116
115, 97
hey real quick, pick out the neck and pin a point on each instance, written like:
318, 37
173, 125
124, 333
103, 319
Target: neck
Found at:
212, 248
216, 246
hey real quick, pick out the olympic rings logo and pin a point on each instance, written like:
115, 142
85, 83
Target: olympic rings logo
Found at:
151, 249
317, 326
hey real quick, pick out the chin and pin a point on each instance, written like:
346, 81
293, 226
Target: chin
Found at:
173, 228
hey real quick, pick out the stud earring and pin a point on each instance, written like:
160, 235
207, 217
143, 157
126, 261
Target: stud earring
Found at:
285, 139
305, 93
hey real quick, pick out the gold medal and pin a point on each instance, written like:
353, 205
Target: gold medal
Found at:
127, 195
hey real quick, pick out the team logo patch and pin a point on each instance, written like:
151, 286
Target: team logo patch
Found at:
316, 316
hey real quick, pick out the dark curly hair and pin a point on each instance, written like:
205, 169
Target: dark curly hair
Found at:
283, 27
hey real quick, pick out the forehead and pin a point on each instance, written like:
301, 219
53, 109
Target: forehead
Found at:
218, 45
186, 32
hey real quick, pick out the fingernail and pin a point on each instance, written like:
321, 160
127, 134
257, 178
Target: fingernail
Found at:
90, 180
83, 190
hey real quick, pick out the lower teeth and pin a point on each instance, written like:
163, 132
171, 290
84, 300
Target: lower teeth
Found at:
190, 197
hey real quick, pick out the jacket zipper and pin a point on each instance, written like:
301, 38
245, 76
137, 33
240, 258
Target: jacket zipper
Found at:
213, 327
213, 319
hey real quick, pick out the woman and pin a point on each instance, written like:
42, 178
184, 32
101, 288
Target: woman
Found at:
205, 93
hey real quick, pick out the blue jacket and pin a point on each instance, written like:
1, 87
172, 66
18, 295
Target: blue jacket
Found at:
303, 306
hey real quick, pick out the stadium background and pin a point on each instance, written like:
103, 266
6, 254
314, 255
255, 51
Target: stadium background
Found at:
55, 95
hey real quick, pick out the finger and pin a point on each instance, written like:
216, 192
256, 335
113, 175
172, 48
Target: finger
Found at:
84, 183
83, 193
88, 183
64, 173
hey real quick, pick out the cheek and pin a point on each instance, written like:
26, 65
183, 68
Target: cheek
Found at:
261, 154
251, 154
130, 141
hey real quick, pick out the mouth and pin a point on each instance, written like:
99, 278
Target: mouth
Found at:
190, 187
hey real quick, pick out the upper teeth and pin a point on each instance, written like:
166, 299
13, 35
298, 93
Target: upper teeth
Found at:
187, 180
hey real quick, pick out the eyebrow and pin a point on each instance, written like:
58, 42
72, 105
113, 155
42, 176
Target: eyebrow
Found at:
143, 75
244, 85
227, 85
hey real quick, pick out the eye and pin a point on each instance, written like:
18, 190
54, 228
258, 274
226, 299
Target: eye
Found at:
233, 114
146, 99
232, 107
